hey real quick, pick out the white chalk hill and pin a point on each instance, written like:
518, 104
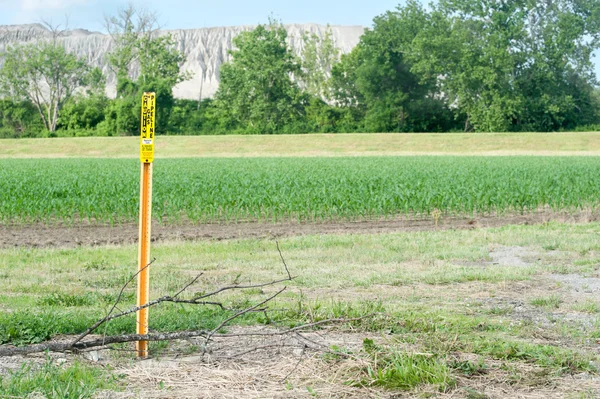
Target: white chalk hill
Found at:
205, 49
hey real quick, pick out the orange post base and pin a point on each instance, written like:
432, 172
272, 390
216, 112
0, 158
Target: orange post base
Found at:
143, 287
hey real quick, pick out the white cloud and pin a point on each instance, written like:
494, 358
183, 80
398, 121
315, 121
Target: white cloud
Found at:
34, 5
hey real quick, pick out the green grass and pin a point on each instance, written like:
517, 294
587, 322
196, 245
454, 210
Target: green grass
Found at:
278, 189
587, 306
550, 302
310, 145
427, 307
562, 360
395, 369
53, 381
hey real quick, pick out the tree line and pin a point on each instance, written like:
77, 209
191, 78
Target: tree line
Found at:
458, 65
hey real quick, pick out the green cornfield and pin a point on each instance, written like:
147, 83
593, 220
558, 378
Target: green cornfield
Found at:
204, 190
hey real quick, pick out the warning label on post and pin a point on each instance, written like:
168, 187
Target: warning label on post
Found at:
148, 119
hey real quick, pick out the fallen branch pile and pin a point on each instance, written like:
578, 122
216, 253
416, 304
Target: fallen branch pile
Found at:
80, 343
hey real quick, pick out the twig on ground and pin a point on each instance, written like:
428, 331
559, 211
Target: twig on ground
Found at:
283, 261
284, 379
108, 315
243, 312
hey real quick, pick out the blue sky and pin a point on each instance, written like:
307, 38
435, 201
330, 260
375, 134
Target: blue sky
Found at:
198, 13
184, 14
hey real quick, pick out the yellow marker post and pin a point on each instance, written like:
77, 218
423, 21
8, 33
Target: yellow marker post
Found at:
146, 157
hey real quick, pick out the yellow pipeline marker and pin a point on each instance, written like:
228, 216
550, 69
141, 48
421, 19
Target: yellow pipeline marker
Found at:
146, 157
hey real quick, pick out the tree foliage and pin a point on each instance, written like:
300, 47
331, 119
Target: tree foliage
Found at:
144, 61
512, 65
319, 55
127, 28
44, 74
378, 79
257, 92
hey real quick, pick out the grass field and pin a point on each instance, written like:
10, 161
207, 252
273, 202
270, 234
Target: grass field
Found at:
313, 145
490, 312
482, 313
281, 189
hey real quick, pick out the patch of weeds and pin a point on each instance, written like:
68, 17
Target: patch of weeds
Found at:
97, 265
501, 310
452, 274
122, 351
170, 281
112, 281
62, 299
176, 317
560, 269
315, 311
587, 306
469, 368
26, 327
393, 369
587, 394
67, 300
158, 348
190, 350
445, 323
336, 353
173, 317
587, 262
53, 381
535, 378
562, 359
550, 247
29, 327
473, 394
253, 291
550, 302
110, 298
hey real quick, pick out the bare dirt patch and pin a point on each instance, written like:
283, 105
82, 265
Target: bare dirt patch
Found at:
579, 284
40, 235
512, 256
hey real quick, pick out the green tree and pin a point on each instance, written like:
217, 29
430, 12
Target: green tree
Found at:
144, 61
45, 74
377, 79
257, 92
19, 119
85, 110
127, 27
319, 54
160, 71
511, 65
191, 117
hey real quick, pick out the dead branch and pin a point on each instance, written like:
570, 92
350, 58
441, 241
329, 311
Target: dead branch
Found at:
302, 327
243, 312
63, 347
109, 317
242, 287
287, 269
80, 344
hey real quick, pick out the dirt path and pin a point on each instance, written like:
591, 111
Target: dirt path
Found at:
93, 235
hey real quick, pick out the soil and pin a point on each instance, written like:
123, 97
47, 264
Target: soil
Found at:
579, 284
42, 235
